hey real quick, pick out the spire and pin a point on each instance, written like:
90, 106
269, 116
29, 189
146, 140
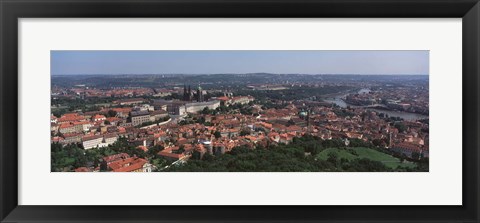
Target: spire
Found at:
199, 94
185, 92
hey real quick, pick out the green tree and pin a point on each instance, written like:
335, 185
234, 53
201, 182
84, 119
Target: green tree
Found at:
111, 113
400, 126
332, 158
245, 132
217, 134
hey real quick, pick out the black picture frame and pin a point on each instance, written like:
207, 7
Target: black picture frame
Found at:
12, 10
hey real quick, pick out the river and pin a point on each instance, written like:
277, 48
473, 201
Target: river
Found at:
338, 100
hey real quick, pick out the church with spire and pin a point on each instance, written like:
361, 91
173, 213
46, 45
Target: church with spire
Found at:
188, 95
191, 102
200, 97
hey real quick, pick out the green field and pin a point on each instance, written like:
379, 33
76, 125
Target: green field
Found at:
362, 152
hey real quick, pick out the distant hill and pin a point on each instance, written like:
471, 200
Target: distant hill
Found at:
163, 80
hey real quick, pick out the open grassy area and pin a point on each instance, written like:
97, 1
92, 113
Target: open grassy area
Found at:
361, 152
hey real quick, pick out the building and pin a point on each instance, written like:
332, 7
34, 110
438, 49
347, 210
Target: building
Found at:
53, 119
115, 157
285, 138
157, 115
187, 95
162, 93
144, 107
169, 155
180, 108
159, 106
70, 117
172, 107
235, 100
242, 100
54, 128
130, 101
139, 117
200, 96
176, 108
199, 106
410, 150
98, 117
109, 139
72, 138
132, 164
83, 126
114, 120
90, 142
85, 169
67, 128
122, 112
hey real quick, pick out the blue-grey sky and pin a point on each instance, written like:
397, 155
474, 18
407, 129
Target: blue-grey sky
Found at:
239, 61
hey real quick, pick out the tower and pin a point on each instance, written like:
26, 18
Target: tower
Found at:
185, 96
199, 94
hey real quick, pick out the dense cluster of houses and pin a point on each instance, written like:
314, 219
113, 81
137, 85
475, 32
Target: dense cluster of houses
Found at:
218, 134
399, 98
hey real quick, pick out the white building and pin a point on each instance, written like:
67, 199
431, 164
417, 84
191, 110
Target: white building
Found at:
89, 142
242, 100
144, 107
180, 108
199, 106
109, 139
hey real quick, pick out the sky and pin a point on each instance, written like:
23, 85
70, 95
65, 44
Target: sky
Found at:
239, 62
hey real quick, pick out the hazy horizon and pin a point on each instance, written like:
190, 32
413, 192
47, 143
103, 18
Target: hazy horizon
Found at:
206, 62
169, 74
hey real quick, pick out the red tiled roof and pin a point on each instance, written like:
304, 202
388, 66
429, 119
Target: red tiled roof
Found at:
111, 135
127, 165
223, 98
67, 135
116, 157
65, 125
71, 118
113, 119
81, 122
97, 116
87, 138
122, 110
82, 169
171, 155
144, 148
407, 146
57, 139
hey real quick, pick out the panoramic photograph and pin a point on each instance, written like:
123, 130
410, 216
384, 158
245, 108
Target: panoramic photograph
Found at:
239, 111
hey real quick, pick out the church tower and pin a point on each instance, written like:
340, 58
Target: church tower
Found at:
199, 94
185, 92
189, 93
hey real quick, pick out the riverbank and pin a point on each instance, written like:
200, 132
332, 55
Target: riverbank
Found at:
338, 100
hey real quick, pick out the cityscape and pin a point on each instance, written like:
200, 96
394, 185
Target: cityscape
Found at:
239, 111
